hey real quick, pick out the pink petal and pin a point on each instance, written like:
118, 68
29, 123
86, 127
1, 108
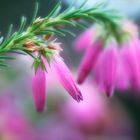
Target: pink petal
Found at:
89, 60
66, 79
106, 68
39, 87
84, 40
132, 65
122, 78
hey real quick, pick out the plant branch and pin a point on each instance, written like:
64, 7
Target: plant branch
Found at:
53, 24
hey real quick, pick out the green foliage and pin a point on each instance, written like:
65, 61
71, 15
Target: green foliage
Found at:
54, 24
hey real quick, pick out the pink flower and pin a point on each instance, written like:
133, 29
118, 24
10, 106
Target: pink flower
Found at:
131, 62
136, 45
39, 87
106, 68
114, 69
66, 78
63, 74
89, 60
84, 40
122, 78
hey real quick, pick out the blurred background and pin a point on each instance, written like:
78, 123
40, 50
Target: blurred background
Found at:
97, 117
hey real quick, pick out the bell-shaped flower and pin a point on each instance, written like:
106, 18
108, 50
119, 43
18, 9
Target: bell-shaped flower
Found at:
106, 69
39, 89
65, 77
84, 40
131, 62
122, 78
89, 60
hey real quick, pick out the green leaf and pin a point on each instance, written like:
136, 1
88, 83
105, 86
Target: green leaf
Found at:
67, 32
22, 25
35, 12
7, 41
3, 65
7, 36
9, 31
55, 10
33, 56
70, 8
63, 22
35, 27
6, 57
50, 31
22, 37
84, 16
83, 4
81, 26
71, 14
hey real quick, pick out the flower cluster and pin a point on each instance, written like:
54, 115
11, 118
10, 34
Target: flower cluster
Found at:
38, 41
62, 72
114, 64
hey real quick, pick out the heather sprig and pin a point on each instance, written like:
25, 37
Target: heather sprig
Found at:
36, 37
